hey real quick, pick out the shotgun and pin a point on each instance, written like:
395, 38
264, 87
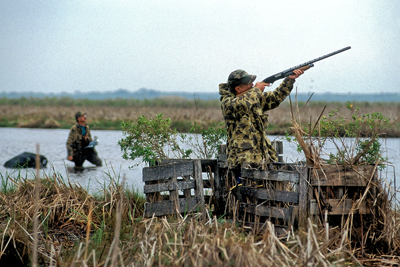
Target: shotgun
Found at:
305, 66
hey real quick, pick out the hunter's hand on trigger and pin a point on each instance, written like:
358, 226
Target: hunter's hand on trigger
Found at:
261, 85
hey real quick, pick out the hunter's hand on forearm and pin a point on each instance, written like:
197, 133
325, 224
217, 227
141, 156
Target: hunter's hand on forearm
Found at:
261, 85
69, 158
296, 74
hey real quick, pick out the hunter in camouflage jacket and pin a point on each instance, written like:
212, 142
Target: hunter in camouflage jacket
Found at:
76, 144
247, 121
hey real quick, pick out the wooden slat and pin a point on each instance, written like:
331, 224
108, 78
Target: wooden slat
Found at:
180, 185
272, 212
205, 163
199, 183
278, 146
339, 207
286, 166
275, 195
167, 207
279, 176
294, 212
218, 191
222, 160
303, 196
206, 182
174, 194
167, 171
341, 175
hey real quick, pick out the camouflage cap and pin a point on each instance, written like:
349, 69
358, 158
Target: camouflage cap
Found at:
240, 77
79, 114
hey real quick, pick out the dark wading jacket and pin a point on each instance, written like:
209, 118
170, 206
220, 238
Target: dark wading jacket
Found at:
246, 122
77, 142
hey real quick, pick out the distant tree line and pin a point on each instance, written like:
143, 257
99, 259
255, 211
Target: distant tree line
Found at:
149, 94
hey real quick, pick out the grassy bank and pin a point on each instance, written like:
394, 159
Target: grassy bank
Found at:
76, 228
107, 114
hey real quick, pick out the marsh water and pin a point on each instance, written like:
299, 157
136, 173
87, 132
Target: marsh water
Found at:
51, 143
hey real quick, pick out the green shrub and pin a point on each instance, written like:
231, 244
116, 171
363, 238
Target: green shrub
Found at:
154, 139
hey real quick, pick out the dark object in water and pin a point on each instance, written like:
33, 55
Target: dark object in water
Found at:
26, 160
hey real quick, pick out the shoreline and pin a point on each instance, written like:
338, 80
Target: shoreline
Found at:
109, 115
276, 132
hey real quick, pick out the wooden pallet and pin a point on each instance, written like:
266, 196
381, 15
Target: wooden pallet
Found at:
266, 194
172, 188
336, 189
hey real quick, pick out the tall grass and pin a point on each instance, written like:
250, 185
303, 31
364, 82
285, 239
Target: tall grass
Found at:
64, 212
107, 229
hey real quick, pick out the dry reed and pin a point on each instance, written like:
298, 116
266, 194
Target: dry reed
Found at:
66, 211
279, 119
366, 237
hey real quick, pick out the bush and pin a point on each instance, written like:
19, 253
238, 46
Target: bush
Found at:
152, 140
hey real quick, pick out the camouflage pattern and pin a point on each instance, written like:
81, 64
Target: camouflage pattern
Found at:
246, 121
240, 76
76, 144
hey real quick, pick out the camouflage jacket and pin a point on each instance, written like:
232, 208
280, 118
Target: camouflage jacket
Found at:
246, 122
77, 142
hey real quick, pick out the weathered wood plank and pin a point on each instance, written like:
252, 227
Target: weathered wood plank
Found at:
219, 191
278, 146
167, 207
206, 182
205, 163
272, 212
199, 183
180, 185
174, 194
275, 195
187, 192
303, 196
167, 171
339, 207
279, 176
341, 175
222, 161
294, 213
285, 166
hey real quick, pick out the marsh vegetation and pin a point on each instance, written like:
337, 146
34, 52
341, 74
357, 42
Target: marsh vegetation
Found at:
51, 221
108, 114
75, 228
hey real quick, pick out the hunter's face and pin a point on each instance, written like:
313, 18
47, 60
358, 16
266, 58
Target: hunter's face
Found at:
243, 87
82, 119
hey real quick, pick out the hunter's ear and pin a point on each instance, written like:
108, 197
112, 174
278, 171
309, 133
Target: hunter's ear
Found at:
237, 89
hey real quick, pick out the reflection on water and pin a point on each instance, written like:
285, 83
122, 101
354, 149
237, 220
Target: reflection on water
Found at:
80, 170
14, 141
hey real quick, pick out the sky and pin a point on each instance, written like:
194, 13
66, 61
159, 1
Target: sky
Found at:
183, 45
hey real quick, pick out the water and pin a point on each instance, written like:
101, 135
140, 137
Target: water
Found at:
14, 141
52, 144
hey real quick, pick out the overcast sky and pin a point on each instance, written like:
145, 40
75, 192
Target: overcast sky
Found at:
183, 45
